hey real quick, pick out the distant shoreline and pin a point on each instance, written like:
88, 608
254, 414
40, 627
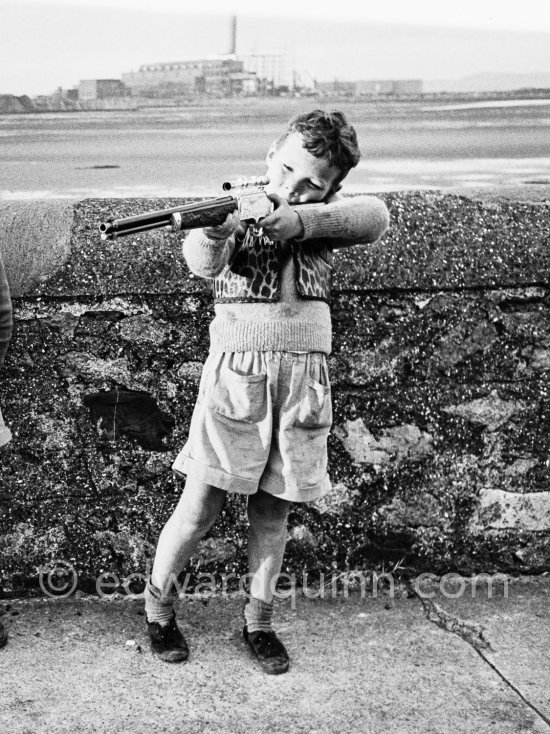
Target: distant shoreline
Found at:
17, 105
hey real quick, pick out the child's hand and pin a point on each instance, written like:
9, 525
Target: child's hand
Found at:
224, 231
283, 223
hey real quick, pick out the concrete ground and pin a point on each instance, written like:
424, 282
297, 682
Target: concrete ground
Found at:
406, 665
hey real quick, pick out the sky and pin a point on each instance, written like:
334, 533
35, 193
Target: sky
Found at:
45, 44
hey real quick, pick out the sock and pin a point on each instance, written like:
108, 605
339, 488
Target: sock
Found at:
158, 608
258, 615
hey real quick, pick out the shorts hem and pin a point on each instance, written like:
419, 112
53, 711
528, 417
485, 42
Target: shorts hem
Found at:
214, 477
272, 485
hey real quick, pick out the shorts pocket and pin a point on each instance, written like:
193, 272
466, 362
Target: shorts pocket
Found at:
315, 410
239, 397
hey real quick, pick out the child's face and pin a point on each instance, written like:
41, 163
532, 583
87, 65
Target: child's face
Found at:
296, 175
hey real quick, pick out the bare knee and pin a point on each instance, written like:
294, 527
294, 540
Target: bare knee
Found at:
267, 513
197, 521
198, 508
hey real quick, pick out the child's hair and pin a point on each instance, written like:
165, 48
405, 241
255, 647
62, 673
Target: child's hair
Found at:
327, 135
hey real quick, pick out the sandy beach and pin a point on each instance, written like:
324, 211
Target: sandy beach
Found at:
192, 150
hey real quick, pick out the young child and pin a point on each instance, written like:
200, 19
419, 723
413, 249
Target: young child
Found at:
263, 412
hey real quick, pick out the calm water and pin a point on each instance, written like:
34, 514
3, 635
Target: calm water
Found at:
182, 151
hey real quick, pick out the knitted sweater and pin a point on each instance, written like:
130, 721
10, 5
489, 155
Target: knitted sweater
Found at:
292, 323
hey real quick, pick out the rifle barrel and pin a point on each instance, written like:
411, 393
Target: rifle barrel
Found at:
199, 214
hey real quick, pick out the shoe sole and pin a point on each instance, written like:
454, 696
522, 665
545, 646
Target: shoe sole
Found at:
265, 668
171, 657
270, 671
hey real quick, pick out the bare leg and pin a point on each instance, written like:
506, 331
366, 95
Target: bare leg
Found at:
196, 512
194, 515
267, 516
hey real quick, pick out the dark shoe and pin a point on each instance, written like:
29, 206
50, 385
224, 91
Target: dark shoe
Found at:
269, 650
167, 642
3, 635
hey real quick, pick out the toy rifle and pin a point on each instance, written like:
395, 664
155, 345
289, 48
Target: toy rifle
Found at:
248, 197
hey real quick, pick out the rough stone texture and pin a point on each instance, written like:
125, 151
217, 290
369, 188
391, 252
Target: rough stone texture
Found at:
490, 412
440, 386
395, 445
36, 238
500, 510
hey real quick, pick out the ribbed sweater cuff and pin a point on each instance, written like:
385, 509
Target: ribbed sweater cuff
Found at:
265, 336
205, 257
321, 217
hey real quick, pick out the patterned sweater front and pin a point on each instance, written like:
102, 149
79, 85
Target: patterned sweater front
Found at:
292, 323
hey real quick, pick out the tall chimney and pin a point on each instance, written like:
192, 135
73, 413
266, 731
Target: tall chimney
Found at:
233, 46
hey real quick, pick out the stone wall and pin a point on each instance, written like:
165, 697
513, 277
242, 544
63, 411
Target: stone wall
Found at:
441, 443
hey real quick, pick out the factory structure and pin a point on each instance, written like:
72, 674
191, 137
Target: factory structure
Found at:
233, 77
227, 75
90, 89
217, 77
395, 87
220, 76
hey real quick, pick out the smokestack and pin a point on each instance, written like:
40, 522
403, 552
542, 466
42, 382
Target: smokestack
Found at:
233, 40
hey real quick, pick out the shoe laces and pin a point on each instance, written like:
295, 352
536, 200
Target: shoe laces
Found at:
165, 631
268, 644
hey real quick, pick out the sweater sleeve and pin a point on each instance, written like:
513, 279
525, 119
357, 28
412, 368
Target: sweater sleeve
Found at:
206, 257
345, 221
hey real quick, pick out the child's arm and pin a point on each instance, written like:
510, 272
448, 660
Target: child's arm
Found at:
207, 251
344, 221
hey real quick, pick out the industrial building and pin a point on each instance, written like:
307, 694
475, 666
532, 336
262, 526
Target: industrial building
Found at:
274, 71
229, 75
93, 89
370, 87
219, 77
226, 75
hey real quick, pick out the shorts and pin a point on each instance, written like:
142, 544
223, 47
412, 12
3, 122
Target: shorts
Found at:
261, 421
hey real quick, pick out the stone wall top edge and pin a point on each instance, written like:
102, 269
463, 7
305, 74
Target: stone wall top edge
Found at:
458, 239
